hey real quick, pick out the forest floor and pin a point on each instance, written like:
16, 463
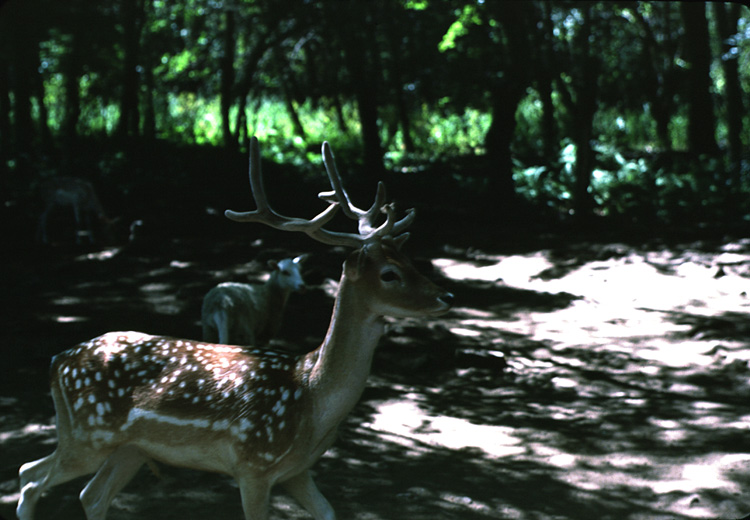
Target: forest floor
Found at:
584, 380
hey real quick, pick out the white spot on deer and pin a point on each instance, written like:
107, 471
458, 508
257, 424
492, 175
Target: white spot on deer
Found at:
223, 424
98, 376
78, 404
139, 414
78, 384
120, 392
100, 408
92, 398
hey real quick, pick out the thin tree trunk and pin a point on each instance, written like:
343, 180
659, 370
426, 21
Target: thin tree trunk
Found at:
227, 79
5, 134
702, 122
727, 16
129, 112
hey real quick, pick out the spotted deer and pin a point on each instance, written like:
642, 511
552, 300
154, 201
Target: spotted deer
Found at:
243, 314
262, 417
79, 196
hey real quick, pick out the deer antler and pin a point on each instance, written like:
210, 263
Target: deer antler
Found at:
338, 198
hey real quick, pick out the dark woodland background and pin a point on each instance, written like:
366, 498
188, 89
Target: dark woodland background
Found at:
581, 176
630, 115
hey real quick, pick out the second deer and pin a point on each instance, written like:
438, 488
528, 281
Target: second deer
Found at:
262, 417
244, 314
78, 195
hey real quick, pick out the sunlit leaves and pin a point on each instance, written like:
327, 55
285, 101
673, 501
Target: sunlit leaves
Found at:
467, 16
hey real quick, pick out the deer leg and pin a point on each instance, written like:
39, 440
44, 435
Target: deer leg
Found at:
119, 469
79, 222
222, 326
41, 230
304, 490
38, 476
255, 497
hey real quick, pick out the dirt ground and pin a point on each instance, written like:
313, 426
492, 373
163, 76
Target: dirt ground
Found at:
572, 381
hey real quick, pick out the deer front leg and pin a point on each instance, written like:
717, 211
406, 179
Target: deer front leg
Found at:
115, 473
304, 490
255, 495
65, 464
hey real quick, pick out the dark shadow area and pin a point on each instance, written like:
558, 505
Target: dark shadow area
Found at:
541, 430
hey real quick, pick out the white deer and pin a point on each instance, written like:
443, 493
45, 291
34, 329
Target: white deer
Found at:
262, 417
243, 314
59, 193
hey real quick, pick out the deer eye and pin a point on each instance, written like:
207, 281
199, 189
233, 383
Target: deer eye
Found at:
390, 275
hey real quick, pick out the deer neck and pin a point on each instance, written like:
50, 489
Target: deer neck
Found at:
343, 362
277, 296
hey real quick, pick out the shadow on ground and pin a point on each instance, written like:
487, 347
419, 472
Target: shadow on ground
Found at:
538, 397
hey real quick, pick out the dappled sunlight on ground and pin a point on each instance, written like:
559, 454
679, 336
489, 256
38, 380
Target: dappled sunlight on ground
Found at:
651, 353
583, 383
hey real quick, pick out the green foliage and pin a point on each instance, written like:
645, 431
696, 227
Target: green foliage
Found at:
460, 27
430, 73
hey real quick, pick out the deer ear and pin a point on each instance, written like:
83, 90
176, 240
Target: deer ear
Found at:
301, 258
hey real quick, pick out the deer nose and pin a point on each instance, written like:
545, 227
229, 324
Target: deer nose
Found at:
447, 299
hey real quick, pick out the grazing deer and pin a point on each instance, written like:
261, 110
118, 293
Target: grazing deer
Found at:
59, 193
243, 314
260, 416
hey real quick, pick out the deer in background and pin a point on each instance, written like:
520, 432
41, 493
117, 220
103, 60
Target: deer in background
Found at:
61, 193
260, 416
244, 314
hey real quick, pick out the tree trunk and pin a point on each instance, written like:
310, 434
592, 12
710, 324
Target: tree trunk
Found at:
550, 141
701, 123
364, 74
402, 107
5, 137
72, 113
287, 89
585, 81
507, 91
149, 113
227, 79
656, 84
129, 113
498, 141
24, 67
727, 16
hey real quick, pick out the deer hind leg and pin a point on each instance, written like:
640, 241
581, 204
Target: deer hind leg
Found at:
65, 464
304, 490
119, 469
